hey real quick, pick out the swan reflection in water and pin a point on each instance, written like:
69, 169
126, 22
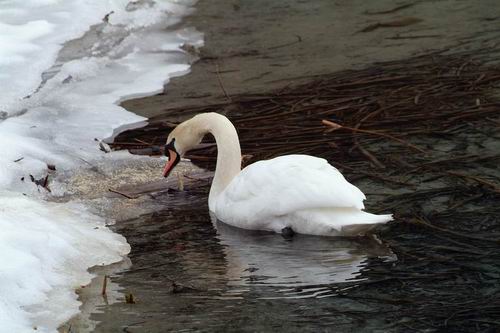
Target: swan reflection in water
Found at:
299, 267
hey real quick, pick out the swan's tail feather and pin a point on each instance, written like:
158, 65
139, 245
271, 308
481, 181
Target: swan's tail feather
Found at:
336, 221
379, 218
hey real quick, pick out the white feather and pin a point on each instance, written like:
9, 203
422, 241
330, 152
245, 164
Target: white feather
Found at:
298, 191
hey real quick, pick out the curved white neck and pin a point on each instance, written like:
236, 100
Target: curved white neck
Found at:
228, 152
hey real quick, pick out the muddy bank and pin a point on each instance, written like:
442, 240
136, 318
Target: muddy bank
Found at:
260, 46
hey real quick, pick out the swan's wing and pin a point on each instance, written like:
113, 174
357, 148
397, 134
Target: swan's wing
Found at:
287, 184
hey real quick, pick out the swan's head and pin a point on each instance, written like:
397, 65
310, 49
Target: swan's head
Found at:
183, 138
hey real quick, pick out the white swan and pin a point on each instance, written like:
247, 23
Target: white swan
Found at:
298, 193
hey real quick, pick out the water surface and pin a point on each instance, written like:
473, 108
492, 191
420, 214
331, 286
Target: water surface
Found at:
190, 273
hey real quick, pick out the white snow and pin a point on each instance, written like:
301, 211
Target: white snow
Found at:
45, 250
31, 34
55, 101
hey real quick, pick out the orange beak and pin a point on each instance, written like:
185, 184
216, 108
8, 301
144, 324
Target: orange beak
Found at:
173, 159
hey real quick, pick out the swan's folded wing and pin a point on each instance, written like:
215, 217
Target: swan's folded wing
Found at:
287, 184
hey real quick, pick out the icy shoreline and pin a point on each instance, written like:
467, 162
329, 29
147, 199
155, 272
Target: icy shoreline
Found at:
114, 50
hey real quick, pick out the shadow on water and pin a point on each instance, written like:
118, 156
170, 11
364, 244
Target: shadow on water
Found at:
189, 274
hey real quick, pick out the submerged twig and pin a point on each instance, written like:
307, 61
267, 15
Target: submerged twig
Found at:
121, 193
104, 285
336, 126
219, 79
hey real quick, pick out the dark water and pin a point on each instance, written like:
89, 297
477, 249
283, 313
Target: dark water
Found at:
188, 274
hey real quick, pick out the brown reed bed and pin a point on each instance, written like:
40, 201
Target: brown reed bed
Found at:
421, 136
391, 102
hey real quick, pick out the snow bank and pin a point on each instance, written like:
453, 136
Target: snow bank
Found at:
45, 250
55, 102
31, 35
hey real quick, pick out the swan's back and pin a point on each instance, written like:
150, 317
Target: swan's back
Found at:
282, 186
